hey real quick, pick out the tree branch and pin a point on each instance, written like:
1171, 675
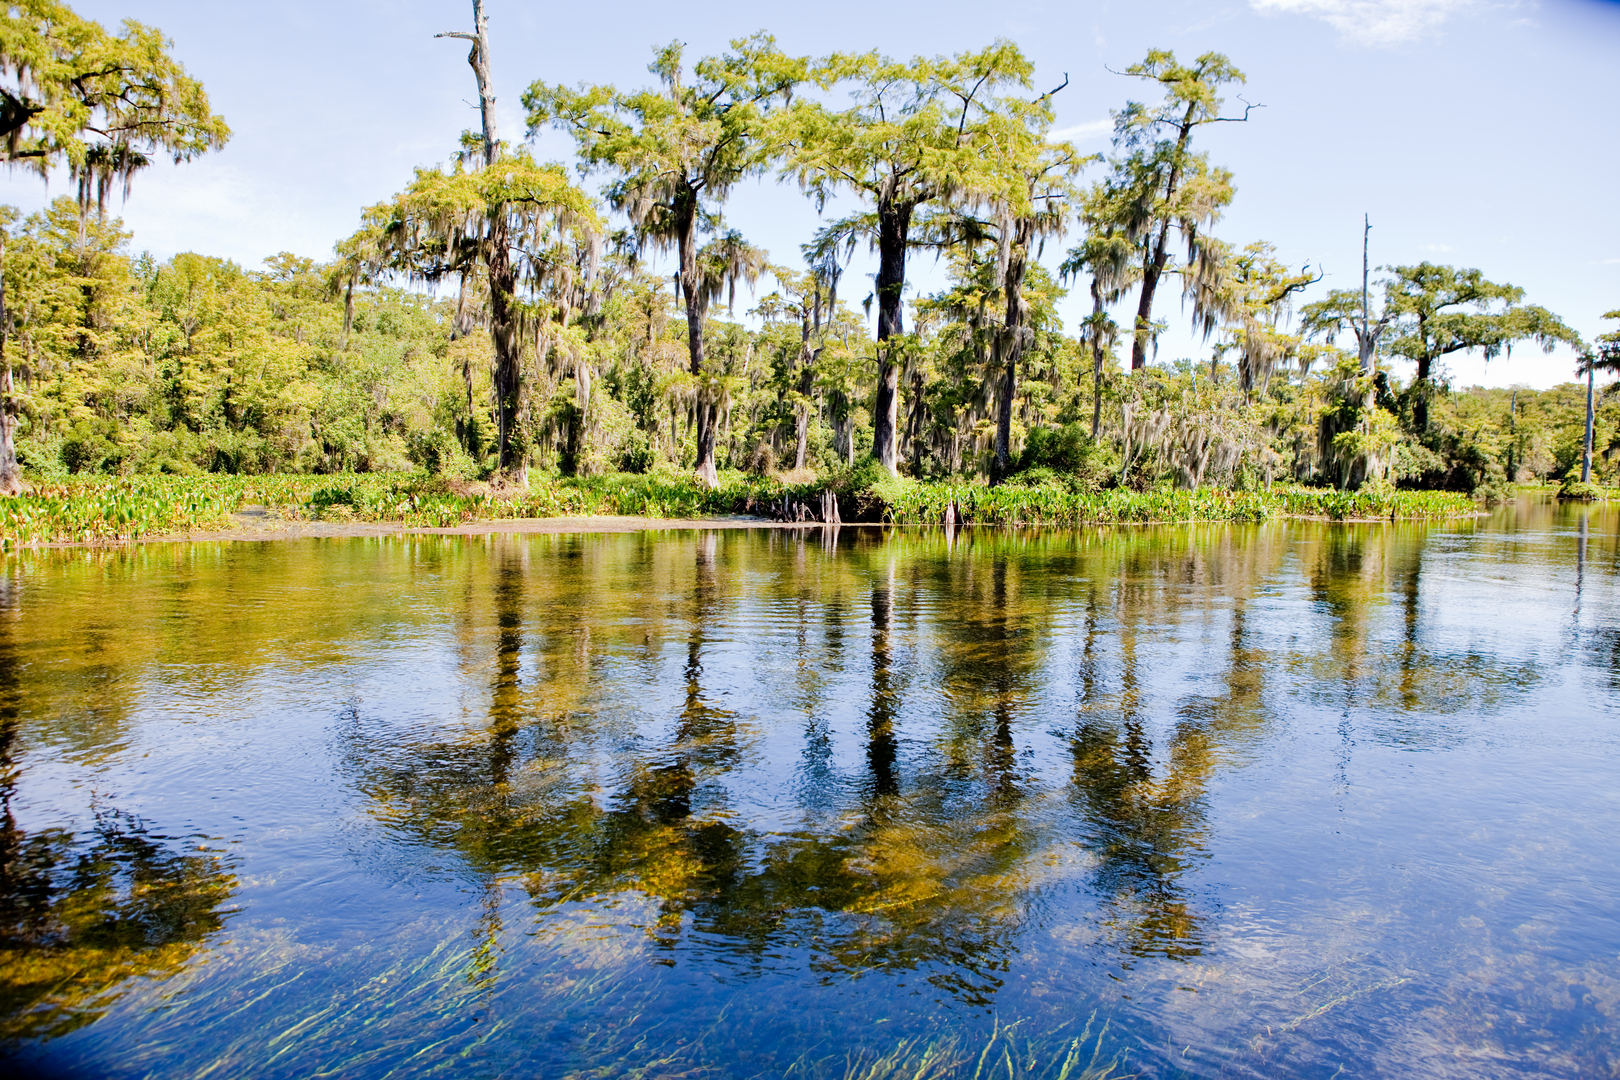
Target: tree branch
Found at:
966, 101
1247, 108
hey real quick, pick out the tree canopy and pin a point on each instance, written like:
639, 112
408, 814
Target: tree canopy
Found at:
673, 155
914, 134
1164, 184
102, 104
1442, 310
72, 94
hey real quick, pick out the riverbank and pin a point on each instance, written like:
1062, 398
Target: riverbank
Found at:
88, 510
258, 523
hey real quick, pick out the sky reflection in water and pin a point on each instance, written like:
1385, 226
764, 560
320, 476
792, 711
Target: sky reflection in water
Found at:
1267, 800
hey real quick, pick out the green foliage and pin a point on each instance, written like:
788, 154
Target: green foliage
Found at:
1014, 505
1158, 183
445, 219
1604, 355
1445, 310
102, 104
86, 913
1066, 454
913, 129
1440, 310
569, 352
194, 364
1582, 491
637, 455
111, 509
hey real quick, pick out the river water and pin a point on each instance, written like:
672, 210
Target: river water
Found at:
1282, 800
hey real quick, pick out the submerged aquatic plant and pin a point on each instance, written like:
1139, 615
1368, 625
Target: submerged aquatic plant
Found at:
1006, 1053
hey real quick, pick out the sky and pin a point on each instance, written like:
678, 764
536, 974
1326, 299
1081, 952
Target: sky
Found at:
1473, 133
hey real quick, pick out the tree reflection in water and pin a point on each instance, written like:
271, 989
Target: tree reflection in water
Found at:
925, 857
83, 912
920, 870
1144, 818
922, 859
629, 780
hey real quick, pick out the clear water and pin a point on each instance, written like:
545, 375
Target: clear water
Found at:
1292, 800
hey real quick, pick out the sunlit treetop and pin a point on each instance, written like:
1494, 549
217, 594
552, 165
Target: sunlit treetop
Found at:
1604, 354
1442, 310
913, 130
692, 140
1191, 92
441, 222
102, 104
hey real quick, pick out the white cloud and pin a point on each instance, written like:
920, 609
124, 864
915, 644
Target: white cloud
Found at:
1085, 132
1374, 22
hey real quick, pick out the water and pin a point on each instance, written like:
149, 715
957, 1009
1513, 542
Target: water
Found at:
1291, 800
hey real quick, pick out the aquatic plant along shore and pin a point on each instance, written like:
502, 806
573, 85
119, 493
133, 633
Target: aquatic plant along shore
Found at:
94, 509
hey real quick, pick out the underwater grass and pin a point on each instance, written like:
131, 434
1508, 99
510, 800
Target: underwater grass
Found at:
1007, 1053
113, 509
264, 1002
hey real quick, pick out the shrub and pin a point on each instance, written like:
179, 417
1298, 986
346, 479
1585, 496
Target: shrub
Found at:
92, 447
637, 454
1039, 476
1581, 491
1067, 452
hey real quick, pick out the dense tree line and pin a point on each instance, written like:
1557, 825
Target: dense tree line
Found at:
551, 339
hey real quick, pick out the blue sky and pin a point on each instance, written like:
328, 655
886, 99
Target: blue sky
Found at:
1474, 133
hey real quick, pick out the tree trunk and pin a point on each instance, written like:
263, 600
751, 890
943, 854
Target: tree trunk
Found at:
1420, 395
11, 482
1513, 438
1153, 264
508, 372
479, 59
1010, 343
801, 414
348, 312
1364, 351
1364, 336
706, 413
915, 443
1002, 465
1420, 385
10, 473
704, 470
1152, 267
1096, 359
503, 333
1586, 451
894, 225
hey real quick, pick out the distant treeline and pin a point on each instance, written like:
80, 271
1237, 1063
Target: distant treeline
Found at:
129, 365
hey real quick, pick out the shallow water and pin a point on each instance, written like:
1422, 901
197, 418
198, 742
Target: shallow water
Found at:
1290, 800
